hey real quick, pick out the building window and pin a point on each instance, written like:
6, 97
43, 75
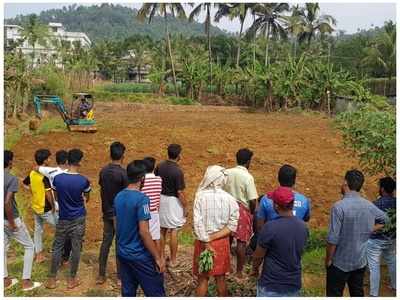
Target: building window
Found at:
54, 29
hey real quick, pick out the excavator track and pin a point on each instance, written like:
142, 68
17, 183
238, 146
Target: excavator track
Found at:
82, 128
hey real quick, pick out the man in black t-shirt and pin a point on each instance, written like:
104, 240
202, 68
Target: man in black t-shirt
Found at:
112, 180
280, 244
173, 208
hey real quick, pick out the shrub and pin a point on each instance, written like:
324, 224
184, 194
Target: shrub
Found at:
181, 101
371, 134
316, 240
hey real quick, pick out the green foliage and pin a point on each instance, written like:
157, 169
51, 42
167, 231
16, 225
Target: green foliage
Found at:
51, 124
371, 134
390, 226
53, 81
316, 239
313, 261
186, 238
129, 88
206, 261
113, 21
180, 101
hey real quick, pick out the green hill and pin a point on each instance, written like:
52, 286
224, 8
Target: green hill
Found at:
115, 22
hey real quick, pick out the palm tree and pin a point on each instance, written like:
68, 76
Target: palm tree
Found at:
35, 33
313, 23
382, 52
294, 25
207, 24
269, 21
235, 10
149, 10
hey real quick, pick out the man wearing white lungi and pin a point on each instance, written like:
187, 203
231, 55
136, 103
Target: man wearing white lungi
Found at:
173, 210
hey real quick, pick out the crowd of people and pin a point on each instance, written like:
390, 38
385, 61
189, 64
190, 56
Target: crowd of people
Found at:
144, 206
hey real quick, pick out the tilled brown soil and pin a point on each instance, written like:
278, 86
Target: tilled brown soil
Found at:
209, 135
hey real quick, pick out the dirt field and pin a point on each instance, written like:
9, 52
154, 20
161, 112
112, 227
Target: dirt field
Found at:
209, 135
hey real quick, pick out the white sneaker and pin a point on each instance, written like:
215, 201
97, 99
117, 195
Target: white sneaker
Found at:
34, 286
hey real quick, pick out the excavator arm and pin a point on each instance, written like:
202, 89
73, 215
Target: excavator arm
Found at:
57, 101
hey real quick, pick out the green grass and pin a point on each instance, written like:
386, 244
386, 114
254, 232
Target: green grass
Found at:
316, 239
129, 88
186, 238
12, 137
100, 293
313, 261
313, 292
51, 124
181, 101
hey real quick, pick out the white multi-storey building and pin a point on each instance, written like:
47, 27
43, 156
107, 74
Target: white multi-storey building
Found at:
45, 53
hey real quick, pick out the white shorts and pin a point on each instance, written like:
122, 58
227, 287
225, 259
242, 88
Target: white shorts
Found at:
171, 212
154, 225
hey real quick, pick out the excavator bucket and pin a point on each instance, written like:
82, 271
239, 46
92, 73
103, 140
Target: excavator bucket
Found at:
82, 128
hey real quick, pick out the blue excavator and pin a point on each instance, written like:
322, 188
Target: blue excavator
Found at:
80, 118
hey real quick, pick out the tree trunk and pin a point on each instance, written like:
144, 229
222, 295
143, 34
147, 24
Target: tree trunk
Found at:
267, 44
328, 96
239, 40
138, 72
17, 94
254, 46
170, 56
208, 25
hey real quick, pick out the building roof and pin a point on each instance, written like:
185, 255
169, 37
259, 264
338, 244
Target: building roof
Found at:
55, 24
14, 26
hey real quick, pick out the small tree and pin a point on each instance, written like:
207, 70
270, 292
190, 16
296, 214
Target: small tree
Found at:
371, 134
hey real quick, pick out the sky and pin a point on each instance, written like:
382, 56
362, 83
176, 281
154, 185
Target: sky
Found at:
350, 16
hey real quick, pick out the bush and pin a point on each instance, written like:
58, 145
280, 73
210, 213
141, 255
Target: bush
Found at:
129, 88
181, 101
316, 240
371, 134
54, 83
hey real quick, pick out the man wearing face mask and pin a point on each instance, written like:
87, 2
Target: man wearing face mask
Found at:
352, 221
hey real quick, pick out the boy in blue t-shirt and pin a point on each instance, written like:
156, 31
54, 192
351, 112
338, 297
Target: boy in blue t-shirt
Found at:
301, 205
72, 192
140, 262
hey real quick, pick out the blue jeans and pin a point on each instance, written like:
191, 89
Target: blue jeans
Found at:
376, 249
48, 217
143, 273
262, 292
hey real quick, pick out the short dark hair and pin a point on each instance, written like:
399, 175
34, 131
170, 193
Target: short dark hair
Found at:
117, 150
287, 175
41, 155
74, 156
150, 163
61, 157
354, 179
243, 156
8, 158
387, 184
174, 150
135, 171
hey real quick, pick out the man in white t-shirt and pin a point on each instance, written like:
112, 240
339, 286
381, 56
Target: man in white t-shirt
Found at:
51, 173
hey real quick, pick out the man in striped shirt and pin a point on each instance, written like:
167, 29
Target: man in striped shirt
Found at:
152, 188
